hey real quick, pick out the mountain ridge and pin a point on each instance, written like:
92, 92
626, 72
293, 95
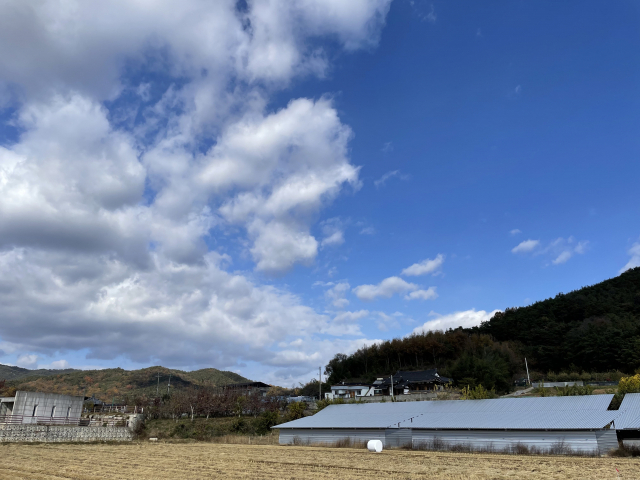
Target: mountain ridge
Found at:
112, 384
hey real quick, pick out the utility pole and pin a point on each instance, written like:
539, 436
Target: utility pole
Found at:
158, 387
320, 376
527, 366
391, 386
169, 384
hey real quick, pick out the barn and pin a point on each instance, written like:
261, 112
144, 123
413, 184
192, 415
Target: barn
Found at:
628, 423
579, 423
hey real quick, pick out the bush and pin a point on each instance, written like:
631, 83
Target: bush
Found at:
477, 393
140, 430
262, 425
238, 425
623, 451
295, 410
629, 384
574, 390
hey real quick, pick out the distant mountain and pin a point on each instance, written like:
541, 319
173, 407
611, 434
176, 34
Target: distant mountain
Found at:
7, 372
116, 383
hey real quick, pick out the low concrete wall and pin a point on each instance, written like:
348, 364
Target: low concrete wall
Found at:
578, 383
411, 397
42, 433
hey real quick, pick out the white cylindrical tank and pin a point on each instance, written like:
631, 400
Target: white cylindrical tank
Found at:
374, 446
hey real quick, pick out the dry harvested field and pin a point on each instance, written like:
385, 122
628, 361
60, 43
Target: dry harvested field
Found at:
207, 460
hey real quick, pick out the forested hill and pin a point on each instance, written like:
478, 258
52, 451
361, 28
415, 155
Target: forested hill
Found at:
9, 372
594, 329
119, 384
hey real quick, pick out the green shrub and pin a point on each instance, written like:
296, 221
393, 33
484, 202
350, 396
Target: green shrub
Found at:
477, 393
295, 410
574, 390
262, 425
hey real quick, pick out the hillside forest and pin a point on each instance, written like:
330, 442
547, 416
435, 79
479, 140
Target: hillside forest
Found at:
591, 334
121, 385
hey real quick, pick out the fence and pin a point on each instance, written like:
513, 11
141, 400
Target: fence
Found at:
116, 409
61, 421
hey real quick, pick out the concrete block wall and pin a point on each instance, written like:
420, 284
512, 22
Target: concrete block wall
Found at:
41, 433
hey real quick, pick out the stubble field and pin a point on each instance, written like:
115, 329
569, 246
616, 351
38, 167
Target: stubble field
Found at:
207, 460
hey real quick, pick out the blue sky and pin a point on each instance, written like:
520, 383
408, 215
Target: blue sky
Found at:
247, 187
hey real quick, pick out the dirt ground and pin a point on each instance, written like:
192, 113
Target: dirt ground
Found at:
207, 460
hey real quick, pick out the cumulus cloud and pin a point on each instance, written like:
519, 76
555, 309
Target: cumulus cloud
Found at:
465, 319
634, 261
526, 246
117, 190
424, 267
428, 294
515, 231
28, 361
391, 286
336, 294
386, 288
55, 365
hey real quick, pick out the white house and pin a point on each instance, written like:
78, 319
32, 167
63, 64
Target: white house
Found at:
350, 390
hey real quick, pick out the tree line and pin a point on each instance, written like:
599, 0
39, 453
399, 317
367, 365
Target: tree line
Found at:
594, 329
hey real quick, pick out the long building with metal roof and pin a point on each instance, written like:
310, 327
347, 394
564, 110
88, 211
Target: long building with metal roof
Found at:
581, 423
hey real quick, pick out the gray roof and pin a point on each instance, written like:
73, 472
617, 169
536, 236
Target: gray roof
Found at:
527, 420
629, 412
579, 412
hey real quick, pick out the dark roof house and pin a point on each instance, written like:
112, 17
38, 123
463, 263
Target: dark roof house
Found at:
412, 381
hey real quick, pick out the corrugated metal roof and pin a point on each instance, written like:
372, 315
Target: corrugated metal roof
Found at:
367, 415
629, 412
383, 415
528, 420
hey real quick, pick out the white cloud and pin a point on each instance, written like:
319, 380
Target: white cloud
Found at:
109, 209
518, 89
387, 147
368, 231
336, 294
27, 361
428, 294
332, 229
560, 250
391, 286
515, 231
386, 322
634, 261
465, 319
526, 246
386, 288
563, 257
55, 365
563, 249
383, 179
424, 267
